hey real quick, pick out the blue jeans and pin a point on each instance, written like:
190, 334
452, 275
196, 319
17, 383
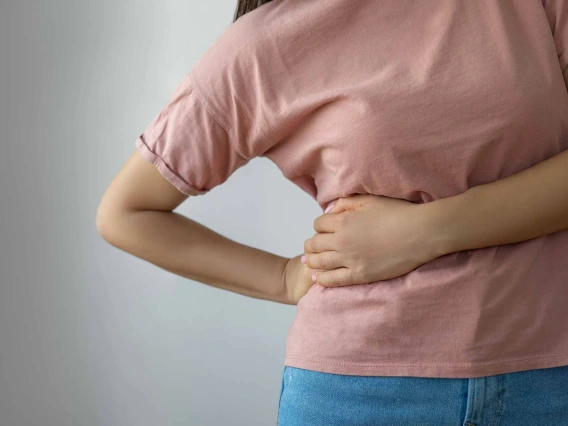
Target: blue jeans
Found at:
531, 398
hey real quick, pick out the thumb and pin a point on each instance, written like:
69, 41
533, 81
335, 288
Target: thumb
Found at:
351, 202
340, 205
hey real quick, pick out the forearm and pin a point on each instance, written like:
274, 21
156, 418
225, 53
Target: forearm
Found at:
186, 248
529, 204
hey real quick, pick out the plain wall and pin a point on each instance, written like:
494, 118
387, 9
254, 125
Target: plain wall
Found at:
89, 334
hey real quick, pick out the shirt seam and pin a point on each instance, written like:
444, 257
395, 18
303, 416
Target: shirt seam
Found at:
452, 364
159, 159
226, 128
200, 98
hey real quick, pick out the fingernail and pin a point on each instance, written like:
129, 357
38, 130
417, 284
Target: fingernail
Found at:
314, 278
328, 208
303, 259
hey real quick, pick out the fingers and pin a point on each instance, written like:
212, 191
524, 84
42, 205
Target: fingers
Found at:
325, 261
351, 202
319, 243
325, 223
334, 278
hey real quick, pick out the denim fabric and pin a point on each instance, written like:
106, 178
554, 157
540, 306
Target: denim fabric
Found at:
530, 397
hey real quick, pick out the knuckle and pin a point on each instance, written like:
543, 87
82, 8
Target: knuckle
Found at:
359, 274
348, 217
341, 218
357, 271
332, 281
323, 282
340, 239
311, 262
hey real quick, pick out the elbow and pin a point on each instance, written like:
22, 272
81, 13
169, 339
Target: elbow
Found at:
106, 222
103, 223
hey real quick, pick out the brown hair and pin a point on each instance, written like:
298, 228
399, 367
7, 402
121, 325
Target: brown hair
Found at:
245, 6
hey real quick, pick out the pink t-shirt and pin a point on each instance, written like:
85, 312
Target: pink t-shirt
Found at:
404, 99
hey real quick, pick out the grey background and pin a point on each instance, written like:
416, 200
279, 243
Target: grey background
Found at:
91, 335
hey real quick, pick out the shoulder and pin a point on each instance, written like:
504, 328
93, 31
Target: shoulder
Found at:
239, 67
240, 44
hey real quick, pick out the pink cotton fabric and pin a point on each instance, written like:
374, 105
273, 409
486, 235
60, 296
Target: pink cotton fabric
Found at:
405, 99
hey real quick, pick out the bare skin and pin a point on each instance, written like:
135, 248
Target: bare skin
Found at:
367, 238
136, 215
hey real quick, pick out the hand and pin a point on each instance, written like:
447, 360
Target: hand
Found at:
366, 238
297, 279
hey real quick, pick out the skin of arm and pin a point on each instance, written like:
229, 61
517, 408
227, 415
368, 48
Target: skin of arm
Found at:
369, 238
526, 205
360, 229
136, 215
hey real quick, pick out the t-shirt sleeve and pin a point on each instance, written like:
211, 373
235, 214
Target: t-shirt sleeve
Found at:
187, 145
557, 13
217, 117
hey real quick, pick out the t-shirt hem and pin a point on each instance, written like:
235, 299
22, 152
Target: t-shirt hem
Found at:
441, 370
165, 170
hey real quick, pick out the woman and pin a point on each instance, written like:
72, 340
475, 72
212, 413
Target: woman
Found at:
440, 131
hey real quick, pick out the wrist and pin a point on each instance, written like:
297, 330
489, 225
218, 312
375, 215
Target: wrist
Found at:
287, 279
442, 219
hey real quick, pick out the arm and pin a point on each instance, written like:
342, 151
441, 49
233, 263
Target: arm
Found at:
527, 205
135, 215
